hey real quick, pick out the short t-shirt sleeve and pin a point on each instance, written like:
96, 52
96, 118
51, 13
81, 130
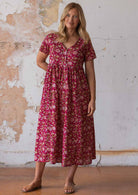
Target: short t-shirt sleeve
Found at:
45, 45
89, 51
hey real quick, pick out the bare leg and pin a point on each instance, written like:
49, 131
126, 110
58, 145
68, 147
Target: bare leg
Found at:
36, 183
69, 182
39, 170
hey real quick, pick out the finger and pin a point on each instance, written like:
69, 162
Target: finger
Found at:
89, 109
91, 112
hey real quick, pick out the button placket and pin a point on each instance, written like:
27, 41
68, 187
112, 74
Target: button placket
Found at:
66, 56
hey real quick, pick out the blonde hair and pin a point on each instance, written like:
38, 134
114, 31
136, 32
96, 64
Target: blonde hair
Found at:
81, 28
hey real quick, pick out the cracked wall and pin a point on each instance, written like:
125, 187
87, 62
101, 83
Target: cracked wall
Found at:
16, 33
12, 102
23, 25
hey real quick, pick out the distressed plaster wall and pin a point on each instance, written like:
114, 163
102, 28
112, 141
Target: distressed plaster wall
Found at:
114, 33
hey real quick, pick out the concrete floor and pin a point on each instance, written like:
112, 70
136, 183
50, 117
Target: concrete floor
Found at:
90, 180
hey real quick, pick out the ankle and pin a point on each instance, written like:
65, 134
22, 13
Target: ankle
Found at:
37, 179
69, 180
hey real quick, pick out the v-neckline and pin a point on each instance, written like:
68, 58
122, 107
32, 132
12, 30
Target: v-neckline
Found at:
71, 45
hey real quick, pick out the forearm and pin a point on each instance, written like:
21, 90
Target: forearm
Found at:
92, 84
43, 65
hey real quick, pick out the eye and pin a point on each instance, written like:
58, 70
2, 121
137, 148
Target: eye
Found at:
67, 15
75, 16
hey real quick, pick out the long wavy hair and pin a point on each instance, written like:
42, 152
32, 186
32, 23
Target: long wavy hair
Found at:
81, 28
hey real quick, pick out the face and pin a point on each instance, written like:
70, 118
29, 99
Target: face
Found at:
72, 19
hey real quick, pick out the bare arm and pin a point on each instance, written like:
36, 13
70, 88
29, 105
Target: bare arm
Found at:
90, 73
40, 60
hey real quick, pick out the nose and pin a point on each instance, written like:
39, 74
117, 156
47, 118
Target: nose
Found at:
71, 19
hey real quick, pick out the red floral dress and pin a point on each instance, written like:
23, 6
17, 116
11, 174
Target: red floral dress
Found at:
65, 134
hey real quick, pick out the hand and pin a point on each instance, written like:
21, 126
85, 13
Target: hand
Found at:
91, 108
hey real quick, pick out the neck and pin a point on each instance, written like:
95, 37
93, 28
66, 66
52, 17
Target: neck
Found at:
71, 32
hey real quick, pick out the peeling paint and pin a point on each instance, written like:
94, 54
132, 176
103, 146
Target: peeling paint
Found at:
7, 133
12, 102
14, 109
47, 8
10, 7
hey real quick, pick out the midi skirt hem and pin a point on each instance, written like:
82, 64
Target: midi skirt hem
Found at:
66, 164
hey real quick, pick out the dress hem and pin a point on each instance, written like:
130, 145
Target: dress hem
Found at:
81, 164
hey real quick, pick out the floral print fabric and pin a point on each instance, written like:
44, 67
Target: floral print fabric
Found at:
65, 134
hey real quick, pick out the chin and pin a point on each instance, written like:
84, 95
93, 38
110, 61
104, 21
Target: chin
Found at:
70, 26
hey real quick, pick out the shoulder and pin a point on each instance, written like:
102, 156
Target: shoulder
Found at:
88, 44
84, 43
50, 37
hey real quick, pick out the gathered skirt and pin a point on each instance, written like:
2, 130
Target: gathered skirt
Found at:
65, 134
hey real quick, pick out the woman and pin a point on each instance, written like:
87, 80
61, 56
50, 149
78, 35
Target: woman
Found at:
65, 132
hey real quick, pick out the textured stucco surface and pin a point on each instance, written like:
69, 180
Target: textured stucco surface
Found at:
23, 25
